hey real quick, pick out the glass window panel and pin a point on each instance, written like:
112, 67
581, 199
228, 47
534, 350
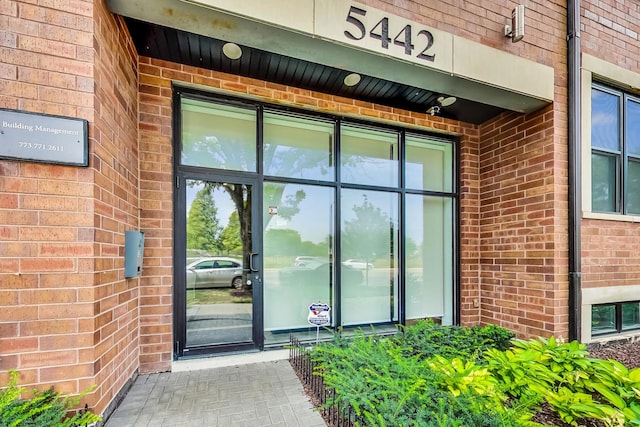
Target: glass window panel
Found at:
633, 187
369, 260
603, 183
298, 148
632, 134
630, 315
429, 264
605, 120
369, 156
298, 248
603, 319
218, 136
428, 164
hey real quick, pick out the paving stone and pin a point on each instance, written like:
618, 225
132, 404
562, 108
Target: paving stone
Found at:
258, 394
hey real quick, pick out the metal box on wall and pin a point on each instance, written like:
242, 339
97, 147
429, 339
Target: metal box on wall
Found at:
133, 251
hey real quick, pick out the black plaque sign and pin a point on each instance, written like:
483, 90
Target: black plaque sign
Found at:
43, 138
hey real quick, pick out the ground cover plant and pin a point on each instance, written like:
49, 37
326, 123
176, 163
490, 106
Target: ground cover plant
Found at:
433, 375
43, 409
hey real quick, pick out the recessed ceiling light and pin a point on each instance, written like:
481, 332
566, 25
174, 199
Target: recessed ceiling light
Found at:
445, 102
352, 79
232, 50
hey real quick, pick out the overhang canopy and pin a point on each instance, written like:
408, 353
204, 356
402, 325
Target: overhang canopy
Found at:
295, 46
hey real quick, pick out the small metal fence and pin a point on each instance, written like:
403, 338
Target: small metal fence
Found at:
335, 414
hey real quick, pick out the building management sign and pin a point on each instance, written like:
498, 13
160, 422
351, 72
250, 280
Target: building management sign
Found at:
43, 138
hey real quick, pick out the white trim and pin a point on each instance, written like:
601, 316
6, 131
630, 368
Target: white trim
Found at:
185, 365
611, 217
619, 77
604, 295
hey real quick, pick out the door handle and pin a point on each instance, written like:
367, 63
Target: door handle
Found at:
251, 266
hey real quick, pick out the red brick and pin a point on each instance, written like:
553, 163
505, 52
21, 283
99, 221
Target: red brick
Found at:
18, 345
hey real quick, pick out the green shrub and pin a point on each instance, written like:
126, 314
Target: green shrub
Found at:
433, 375
427, 338
389, 382
44, 409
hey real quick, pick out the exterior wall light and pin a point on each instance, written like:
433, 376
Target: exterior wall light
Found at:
516, 29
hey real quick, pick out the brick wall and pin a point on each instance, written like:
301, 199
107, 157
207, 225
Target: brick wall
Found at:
156, 183
115, 159
46, 211
523, 221
515, 212
611, 249
62, 228
67, 316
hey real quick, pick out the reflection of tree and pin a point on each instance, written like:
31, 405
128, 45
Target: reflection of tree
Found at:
280, 242
230, 236
228, 147
202, 224
290, 161
633, 184
368, 234
287, 206
411, 247
320, 249
241, 196
601, 182
225, 151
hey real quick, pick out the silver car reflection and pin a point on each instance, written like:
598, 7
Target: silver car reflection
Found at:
214, 272
317, 273
358, 264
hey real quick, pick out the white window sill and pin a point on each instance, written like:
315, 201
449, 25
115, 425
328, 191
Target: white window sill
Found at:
610, 217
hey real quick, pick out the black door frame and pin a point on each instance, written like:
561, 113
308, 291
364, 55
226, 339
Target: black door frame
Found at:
179, 278
258, 177
181, 174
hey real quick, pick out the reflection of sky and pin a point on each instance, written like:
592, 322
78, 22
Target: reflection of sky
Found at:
604, 120
313, 221
633, 127
372, 170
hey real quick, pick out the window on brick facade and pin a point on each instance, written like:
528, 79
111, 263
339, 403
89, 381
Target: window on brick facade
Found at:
615, 318
615, 151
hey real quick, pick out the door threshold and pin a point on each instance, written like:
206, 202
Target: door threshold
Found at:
220, 361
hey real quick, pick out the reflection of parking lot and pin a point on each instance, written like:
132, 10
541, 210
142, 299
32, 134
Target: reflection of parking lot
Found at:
219, 323
366, 295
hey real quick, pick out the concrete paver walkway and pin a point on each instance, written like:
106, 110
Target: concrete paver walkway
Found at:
254, 394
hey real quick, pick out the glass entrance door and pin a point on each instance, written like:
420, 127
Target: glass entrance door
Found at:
221, 267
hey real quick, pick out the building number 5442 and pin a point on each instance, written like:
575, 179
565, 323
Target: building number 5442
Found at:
380, 31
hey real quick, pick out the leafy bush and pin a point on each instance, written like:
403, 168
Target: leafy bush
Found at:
575, 386
44, 409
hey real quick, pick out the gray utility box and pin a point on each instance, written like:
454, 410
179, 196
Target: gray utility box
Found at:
133, 251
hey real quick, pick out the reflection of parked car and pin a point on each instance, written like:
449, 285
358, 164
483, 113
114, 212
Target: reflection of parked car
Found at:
301, 261
358, 264
214, 272
316, 272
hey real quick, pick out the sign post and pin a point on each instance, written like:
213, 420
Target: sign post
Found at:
319, 316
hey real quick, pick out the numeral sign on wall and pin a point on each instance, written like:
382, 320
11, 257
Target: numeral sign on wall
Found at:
389, 35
